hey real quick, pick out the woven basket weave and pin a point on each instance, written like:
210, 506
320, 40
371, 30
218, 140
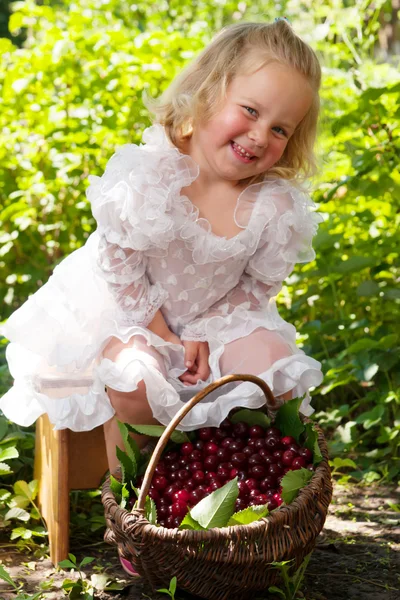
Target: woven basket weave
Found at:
221, 563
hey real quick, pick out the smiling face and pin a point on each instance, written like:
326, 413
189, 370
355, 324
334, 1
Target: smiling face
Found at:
250, 133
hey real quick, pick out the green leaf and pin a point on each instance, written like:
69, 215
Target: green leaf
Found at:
17, 513
131, 447
172, 585
338, 463
190, 523
288, 420
179, 437
275, 590
248, 515
251, 417
22, 489
86, 561
18, 532
292, 482
66, 564
115, 486
8, 453
311, 442
5, 469
355, 263
128, 467
72, 557
150, 510
7, 577
216, 509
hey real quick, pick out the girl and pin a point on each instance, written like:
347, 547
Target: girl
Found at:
197, 229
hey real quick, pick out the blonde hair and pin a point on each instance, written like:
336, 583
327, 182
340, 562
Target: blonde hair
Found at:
198, 92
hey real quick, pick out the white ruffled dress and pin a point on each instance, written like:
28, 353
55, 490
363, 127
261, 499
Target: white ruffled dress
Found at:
152, 251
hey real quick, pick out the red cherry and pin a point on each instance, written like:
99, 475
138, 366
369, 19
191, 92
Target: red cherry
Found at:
273, 431
298, 463
287, 457
183, 475
210, 448
196, 466
287, 440
238, 459
186, 448
270, 460
160, 482
278, 454
226, 442
153, 493
223, 454
275, 470
183, 461
169, 491
169, 522
199, 445
254, 493
215, 485
233, 473
310, 467
256, 459
162, 512
277, 497
206, 433
226, 425
262, 499
236, 446
240, 430
243, 489
211, 462
171, 457
220, 434
210, 476
195, 455
258, 471
251, 442
272, 443
174, 476
259, 443
264, 452
174, 466
179, 509
181, 496
223, 473
160, 469
190, 485
268, 483
272, 504
240, 504
196, 496
306, 454
256, 431
248, 451
198, 476
251, 483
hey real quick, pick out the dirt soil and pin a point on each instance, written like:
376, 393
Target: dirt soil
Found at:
357, 556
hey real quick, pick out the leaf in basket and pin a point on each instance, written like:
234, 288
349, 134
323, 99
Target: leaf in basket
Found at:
248, 515
128, 467
149, 507
251, 417
189, 523
288, 420
292, 482
312, 442
216, 509
131, 447
179, 437
115, 485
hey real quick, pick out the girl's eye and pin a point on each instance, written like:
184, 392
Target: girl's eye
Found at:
280, 130
252, 111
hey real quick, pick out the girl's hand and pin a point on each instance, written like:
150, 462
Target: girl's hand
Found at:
172, 338
196, 361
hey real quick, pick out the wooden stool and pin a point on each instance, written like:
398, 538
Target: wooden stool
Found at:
64, 461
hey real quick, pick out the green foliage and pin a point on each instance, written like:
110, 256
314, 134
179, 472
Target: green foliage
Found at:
291, 581
171, 589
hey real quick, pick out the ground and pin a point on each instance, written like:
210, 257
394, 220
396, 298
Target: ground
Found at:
357, 555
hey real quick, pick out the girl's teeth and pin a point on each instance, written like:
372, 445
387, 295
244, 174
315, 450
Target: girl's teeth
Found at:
241, 150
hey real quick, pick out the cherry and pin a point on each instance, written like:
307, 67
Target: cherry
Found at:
223, 473
223, 454
272, 504
306, 454
252, 484
177, 521
264, 452
160, 482
272, 443
258, 471
272, 431
278, 453
256, 431
196, 466
240, 504
277, 497
210, 448
275, 470
215, 485
174, 466
205, 434
181, 496
169, 491
259, 443
199, 445
169, 522
236, 446
270, 460
195, 455
183, 461
243, 489
210, 476
268, 483
248, 451
298, 463
162, 501
190, 485
240, 430
233, 473
162, 522
198, 476
238, 459
160, 469
154, 494
179, 509
288, 457
256, 459
211, 462
226, 442
251, 442
186, 448
287, 440
171, 457
262, 499
310, 467
294, 447
221, 434
195, 496
226, 425
183, 474
162, 512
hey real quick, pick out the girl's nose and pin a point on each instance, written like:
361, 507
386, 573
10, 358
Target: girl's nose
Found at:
260, 137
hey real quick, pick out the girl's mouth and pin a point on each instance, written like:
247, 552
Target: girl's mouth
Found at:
241, 153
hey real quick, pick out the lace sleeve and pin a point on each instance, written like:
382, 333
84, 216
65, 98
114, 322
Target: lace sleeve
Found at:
124, 269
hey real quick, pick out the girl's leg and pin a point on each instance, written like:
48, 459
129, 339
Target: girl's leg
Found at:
254, 354
130, 407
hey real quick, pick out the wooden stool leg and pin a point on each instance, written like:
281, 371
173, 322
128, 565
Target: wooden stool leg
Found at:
51, 469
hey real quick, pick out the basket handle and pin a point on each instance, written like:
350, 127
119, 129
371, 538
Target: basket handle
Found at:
162, 442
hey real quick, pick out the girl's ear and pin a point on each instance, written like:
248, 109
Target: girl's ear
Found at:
187, 128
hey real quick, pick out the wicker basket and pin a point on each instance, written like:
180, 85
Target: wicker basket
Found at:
221, 563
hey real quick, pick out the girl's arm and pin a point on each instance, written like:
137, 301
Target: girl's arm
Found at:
159, 326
